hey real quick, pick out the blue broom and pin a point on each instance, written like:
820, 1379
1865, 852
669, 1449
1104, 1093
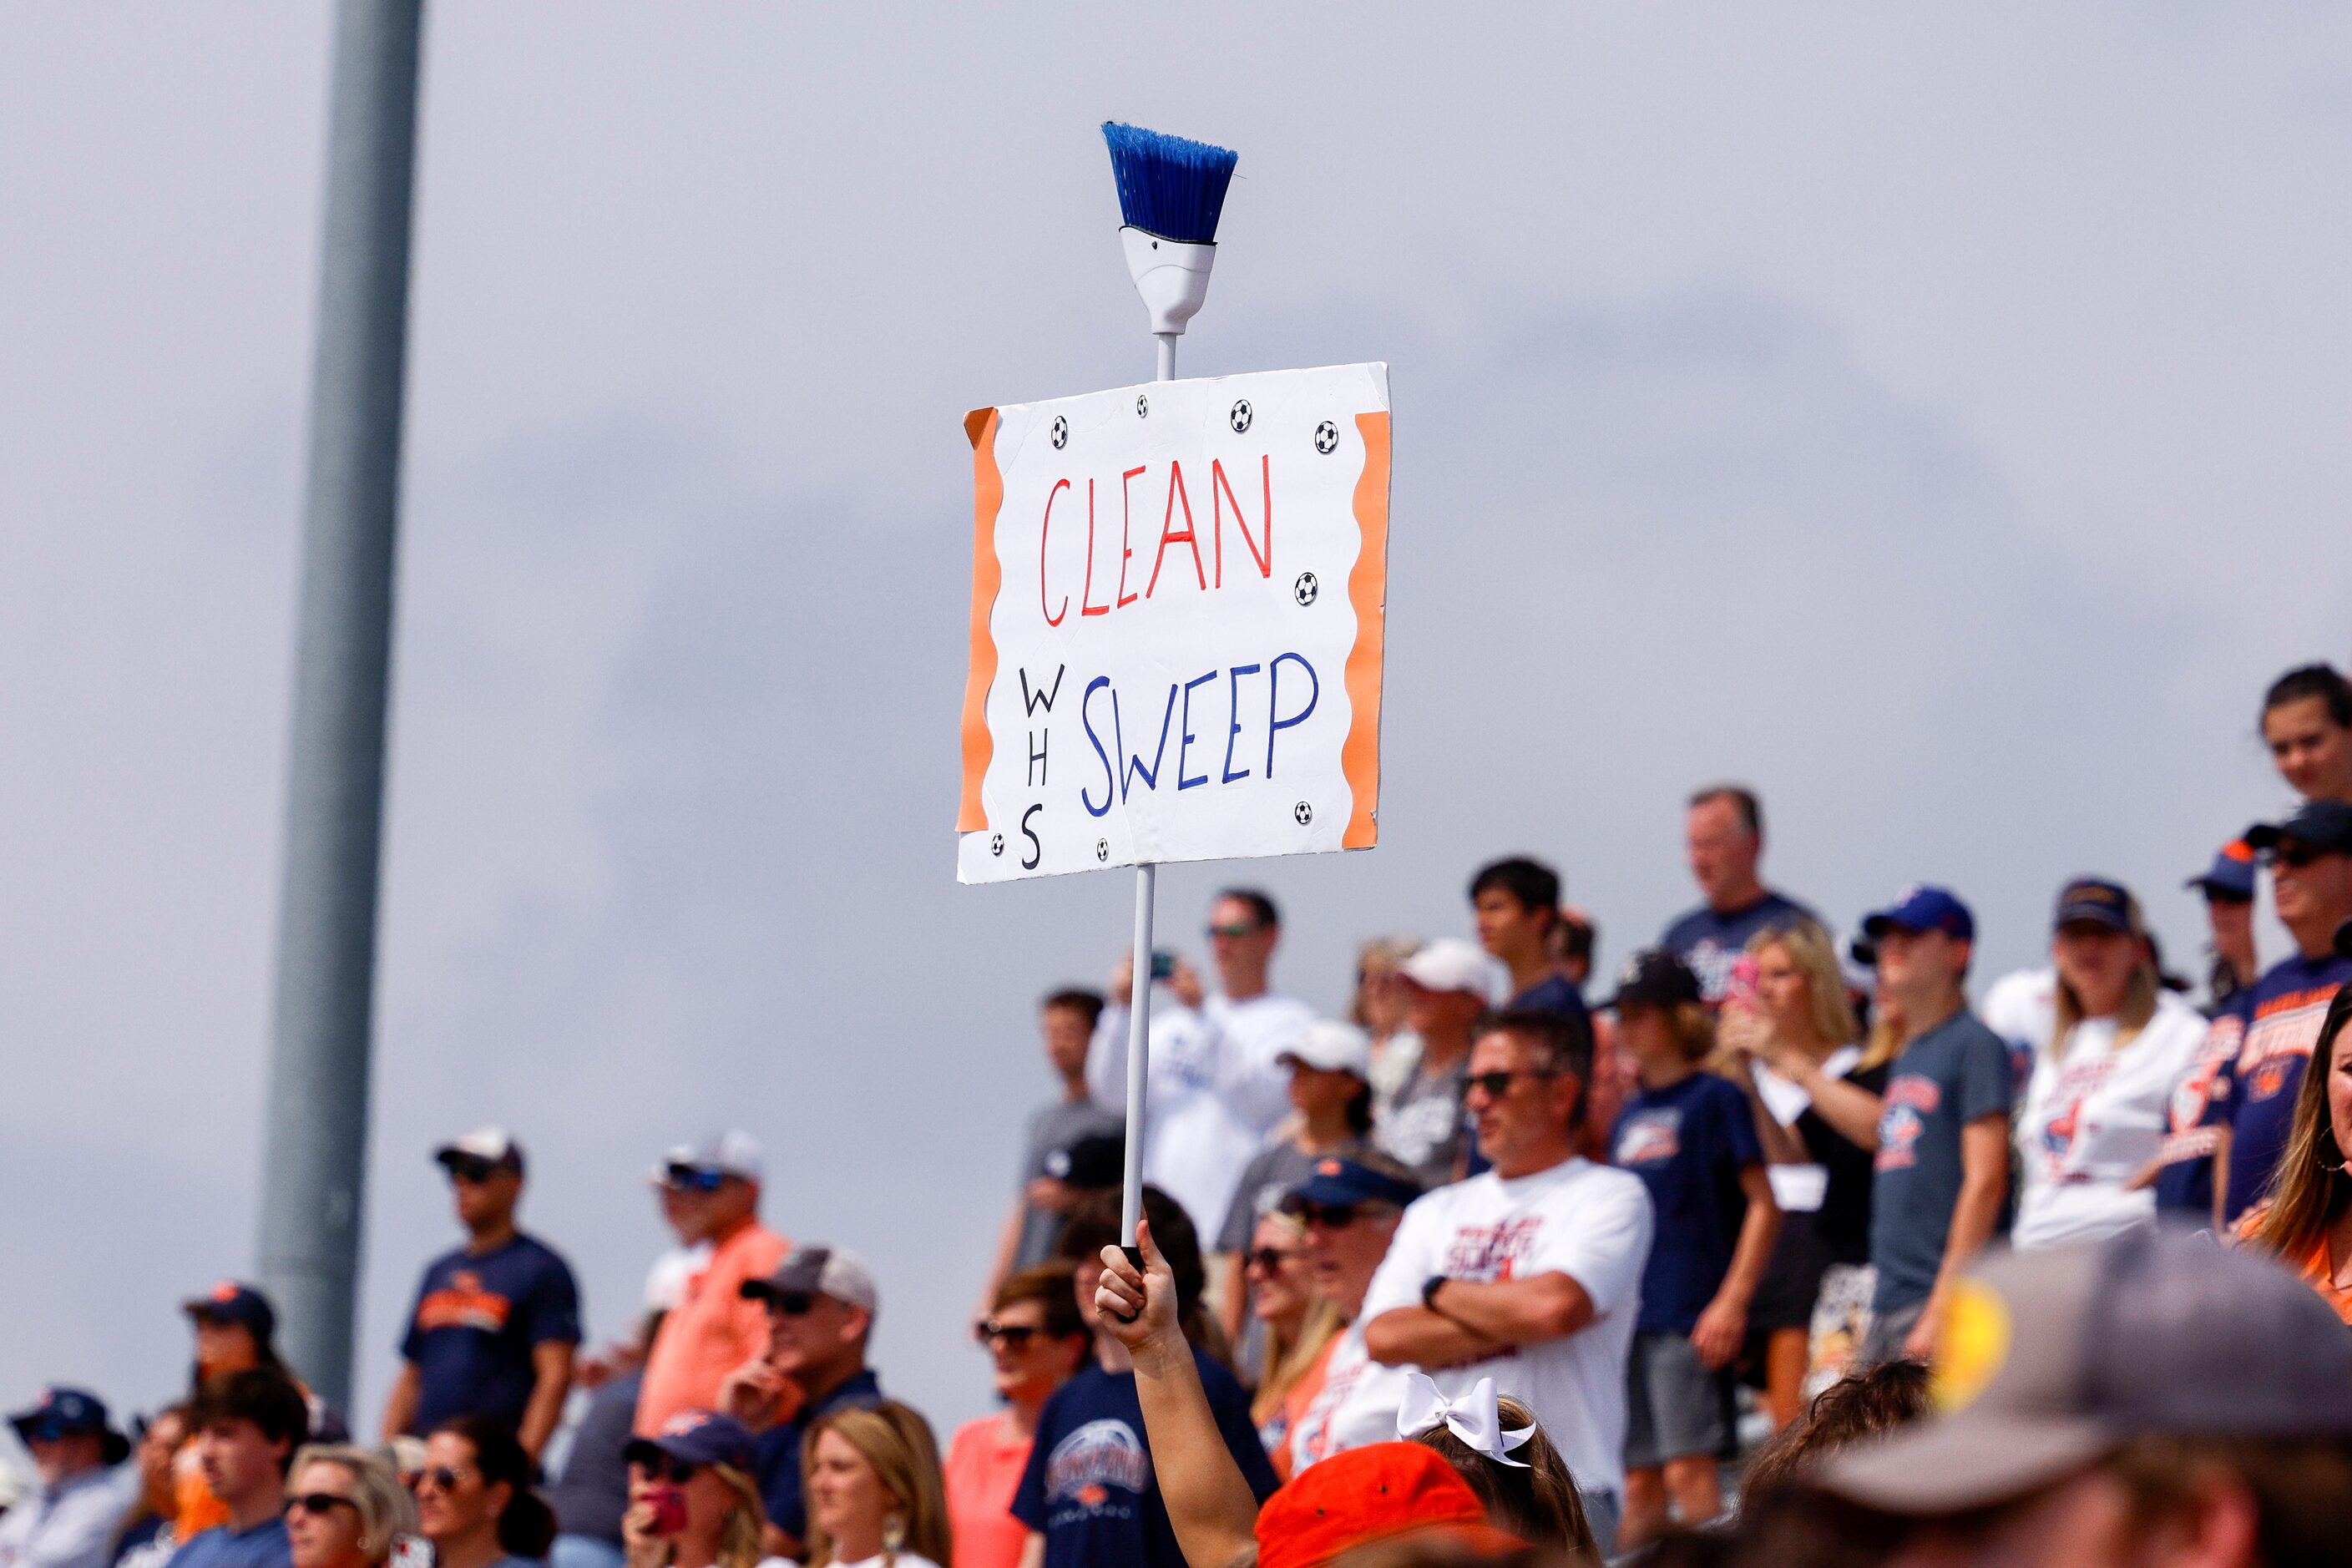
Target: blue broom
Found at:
1171, 193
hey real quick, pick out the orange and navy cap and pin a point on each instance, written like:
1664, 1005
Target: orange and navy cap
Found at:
2230, 878
232, 1302
1339, 1184
1371, 1493
697, 1437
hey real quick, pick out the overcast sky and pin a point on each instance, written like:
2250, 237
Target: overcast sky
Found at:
1938, 422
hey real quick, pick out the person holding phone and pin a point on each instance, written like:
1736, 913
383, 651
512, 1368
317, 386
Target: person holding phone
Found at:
692, 1501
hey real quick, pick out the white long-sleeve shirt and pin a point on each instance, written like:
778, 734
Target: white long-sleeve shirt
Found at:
71, 1525
1212, 1095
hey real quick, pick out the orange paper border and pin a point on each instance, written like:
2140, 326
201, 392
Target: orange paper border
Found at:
1367, 591
987, 577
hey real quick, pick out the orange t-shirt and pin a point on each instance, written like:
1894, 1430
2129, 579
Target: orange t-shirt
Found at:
2319, 1272
1294, 1403
982, 1472
712, 1331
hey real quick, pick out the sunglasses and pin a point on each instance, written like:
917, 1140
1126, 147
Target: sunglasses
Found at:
1498, 1084
670, 1467
1266, 1259
792, 1303
693, 1179
1330, 1217
440, 1477
1233, 932
2295, 857
1012, 1336
466, 1168
320, 1504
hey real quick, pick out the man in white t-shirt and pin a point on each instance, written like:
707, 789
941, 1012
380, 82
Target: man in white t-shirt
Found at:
1531, 1273
1218, 1087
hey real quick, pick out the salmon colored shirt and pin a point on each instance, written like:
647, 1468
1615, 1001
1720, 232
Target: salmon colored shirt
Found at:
2319, 1272
1294, 1403
982, 1472
712, 1331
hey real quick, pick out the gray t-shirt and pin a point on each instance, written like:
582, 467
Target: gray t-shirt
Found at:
1947, 1078
1053, 1128
1278, 1167
1423, 1128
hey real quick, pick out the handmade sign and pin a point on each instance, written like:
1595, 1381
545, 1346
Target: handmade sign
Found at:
1177, 612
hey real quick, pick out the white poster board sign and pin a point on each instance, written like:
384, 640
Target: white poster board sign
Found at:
1178, 607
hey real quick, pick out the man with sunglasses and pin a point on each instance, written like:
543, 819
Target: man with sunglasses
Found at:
1349, 1209
821, 1305
1528, 1273
497, 1320
86, 1489
2310, 861
710, 1194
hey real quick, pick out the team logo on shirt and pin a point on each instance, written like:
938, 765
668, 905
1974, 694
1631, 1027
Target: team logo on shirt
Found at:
2201, 1086
1910, 1099
1651, 1137
1097, 1457
1489, 1252
463, 1303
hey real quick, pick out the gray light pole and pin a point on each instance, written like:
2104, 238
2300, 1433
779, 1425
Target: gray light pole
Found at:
315, 1159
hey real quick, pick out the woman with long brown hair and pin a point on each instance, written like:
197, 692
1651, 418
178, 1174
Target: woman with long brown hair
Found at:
2308, 1222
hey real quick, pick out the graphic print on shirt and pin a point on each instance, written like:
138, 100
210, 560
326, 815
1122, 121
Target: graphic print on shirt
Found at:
1490, 1252
1416, 1131
1650, 1137
1910, 1099
2188, 1133
1311, 1443
464, 1304
2055, 1138
2284, 1029
1100, 1470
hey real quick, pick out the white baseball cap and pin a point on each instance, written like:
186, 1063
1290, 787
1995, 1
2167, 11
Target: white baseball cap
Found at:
491, 1145
1449, 963
1333, 1047
733, 1153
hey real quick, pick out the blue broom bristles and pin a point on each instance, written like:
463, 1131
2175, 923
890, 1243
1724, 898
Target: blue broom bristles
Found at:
1168, 186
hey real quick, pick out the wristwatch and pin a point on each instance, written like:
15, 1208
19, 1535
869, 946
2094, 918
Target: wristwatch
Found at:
1429, 1289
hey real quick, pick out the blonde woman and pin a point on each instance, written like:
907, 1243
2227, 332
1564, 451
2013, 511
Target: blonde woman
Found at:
692, 1500
344, 1507
1378, 1009
1790, 1031
2095, 1111
1300, 1326
875, 1497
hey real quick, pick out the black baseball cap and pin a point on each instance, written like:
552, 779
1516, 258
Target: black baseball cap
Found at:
2049, 1360
1093, 1164
2322, 824
1654, 978
231, 1301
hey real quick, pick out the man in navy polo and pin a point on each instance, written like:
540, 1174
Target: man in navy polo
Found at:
497, 1320
86, 1489
1726, 839
821, 1304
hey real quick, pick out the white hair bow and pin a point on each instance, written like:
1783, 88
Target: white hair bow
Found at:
1472, 1417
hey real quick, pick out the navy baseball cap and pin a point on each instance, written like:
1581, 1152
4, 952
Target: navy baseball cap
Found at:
232, 1302
2230, 878
2093, 900
67, 1412
2322, 824
697, 1437
1922, 907
1338, 1183
1654, 978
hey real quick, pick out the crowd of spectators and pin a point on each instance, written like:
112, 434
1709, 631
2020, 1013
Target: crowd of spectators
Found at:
1780, 1250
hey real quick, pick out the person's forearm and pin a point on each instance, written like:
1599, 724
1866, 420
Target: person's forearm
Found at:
1516, 1311
1974, 1215
400, 1404
1851, 1110
2221, 1180
546, 1407
1107, 1057
1752, 1254
1209, 1501
1415, 1336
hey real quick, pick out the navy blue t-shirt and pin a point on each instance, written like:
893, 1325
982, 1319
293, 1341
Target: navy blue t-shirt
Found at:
478, 1318
1689, 1142
1089, 1489
263, 1546
1554, 993
779, 1454
2202, 1103
1711, 943
1956, 1073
